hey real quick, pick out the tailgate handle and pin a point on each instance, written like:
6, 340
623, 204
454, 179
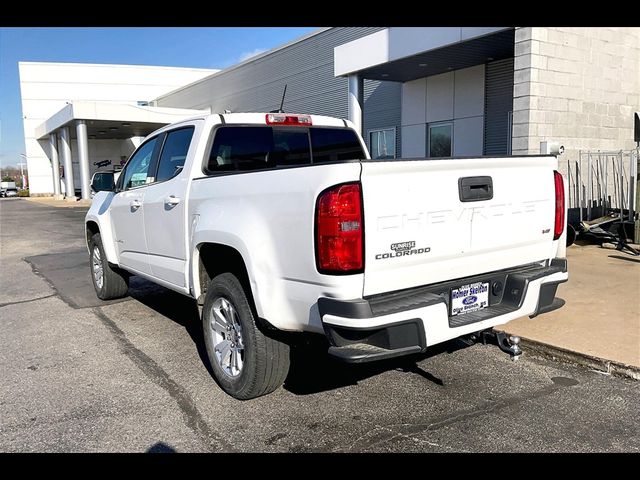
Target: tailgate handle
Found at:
475, 189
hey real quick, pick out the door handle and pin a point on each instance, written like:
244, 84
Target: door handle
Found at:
135, 204
172, 200
475, 189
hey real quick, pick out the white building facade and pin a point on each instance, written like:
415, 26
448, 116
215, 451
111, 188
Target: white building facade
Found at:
48, 88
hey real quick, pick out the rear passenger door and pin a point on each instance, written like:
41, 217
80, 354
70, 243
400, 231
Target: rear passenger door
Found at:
164, 204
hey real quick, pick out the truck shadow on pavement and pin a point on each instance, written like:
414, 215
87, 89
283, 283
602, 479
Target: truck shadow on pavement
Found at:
312, 370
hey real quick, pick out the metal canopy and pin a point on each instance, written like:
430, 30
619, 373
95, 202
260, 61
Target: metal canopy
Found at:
107, 120
111, 130
496, 46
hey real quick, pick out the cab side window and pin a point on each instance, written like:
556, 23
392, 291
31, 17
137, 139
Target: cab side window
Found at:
174, 153
135, 173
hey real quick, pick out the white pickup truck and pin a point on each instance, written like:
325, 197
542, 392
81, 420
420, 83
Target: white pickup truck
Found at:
280, 223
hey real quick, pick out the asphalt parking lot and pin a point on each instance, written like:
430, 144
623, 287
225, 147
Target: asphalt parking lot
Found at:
83, 375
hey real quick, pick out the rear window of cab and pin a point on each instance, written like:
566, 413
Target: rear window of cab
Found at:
250, 148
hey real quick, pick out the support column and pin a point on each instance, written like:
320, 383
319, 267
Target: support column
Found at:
356, 100
66, 161
55, 165
83, 158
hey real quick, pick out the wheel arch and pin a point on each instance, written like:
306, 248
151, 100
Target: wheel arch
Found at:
93, 226
211, 259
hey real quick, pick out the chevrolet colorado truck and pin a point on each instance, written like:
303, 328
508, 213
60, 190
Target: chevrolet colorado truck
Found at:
275, 222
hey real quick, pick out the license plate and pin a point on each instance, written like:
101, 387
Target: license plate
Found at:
469, 298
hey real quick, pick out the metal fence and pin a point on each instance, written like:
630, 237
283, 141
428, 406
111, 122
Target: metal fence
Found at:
601, 181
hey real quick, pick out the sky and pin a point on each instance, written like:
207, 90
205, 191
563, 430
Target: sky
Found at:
174, 47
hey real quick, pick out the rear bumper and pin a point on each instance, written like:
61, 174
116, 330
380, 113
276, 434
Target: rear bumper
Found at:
409, 321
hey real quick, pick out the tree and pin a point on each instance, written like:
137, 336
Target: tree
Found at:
12, 174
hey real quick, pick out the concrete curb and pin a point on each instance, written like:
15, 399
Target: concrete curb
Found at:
601, 365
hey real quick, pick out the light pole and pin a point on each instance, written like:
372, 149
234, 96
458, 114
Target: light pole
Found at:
21, 164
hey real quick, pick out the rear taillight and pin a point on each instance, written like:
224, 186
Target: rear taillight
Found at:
288, 119
559, 223
339, 230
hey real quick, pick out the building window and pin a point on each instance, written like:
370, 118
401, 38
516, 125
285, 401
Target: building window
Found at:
383, 143
440, 139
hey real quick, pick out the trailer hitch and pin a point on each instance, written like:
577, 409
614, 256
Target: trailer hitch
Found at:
508, 344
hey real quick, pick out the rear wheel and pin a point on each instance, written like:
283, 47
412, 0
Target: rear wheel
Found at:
109, 282
246, 363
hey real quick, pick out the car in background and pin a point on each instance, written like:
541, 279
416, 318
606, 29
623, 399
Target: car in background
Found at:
104, 180
6, 187
9, 192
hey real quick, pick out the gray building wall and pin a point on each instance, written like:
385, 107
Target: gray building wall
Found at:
455, 97
307, 69
382, 109
579, 86
498, 106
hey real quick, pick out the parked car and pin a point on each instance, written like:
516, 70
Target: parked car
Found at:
5, 187
104, 180
9, 192
280, 223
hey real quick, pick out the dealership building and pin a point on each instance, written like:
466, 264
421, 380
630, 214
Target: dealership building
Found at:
413, 92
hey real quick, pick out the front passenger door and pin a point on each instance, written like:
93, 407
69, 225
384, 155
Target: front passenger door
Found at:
165, 209
127, 211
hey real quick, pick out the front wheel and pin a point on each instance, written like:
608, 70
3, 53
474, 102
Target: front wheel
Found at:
109, 282
246, 363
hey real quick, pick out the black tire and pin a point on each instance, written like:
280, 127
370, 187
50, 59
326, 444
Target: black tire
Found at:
265, 360
115, 282
571, 235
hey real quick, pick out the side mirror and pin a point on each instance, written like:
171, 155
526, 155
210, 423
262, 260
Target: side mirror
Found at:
103, 181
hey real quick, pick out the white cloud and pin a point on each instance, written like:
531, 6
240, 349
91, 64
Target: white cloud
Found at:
246, 55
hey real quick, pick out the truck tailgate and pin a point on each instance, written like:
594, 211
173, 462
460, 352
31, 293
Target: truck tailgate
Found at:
418, 231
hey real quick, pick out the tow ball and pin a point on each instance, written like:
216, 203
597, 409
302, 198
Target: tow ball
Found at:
508, 344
